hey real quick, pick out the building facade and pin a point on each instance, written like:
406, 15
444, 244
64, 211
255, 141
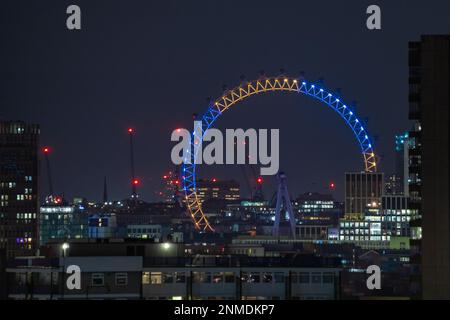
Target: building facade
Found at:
134, 277
59, 220
19, 203
218, 189
362, 189
429, 81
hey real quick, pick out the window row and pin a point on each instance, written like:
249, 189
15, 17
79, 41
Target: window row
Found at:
98, 279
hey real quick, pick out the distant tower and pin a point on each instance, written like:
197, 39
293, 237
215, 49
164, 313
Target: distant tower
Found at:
283, 196
402, 163
105, 191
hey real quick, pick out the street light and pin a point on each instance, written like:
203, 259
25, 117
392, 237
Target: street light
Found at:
65, 246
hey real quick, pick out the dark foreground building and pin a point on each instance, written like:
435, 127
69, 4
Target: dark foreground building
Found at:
120, 269
429, 81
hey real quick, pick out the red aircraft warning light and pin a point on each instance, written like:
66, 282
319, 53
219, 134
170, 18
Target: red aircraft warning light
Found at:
332, 185
214, 180
136, 182
46, 149
130, 130
259, 180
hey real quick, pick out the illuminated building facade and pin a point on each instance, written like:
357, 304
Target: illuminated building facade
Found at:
382, 222
362, 189
312, 207
102, 226
314, 203
59, 220
19, 176
218, 189
396, 215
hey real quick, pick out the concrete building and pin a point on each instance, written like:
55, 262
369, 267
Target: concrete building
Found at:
116, 270
101, 278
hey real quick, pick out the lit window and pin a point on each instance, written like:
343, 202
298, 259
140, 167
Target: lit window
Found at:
145, 277
156, 278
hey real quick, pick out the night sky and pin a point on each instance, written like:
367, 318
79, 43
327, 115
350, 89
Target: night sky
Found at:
152, 64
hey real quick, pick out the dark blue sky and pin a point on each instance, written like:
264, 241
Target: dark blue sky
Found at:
151, 64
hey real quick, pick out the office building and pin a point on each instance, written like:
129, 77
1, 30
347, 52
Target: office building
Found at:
362, 189
102, 225
19, 143
396, 215
59, 220
316, 208
216, 189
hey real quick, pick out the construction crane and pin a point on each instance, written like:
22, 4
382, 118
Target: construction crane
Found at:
46, 151
134, 180
247, 181
258, 194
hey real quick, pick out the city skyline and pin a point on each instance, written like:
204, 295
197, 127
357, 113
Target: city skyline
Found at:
224, 150
164, 66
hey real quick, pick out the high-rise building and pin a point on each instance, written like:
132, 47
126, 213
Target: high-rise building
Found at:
362, 189
19, 205
429, 96
415, 172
